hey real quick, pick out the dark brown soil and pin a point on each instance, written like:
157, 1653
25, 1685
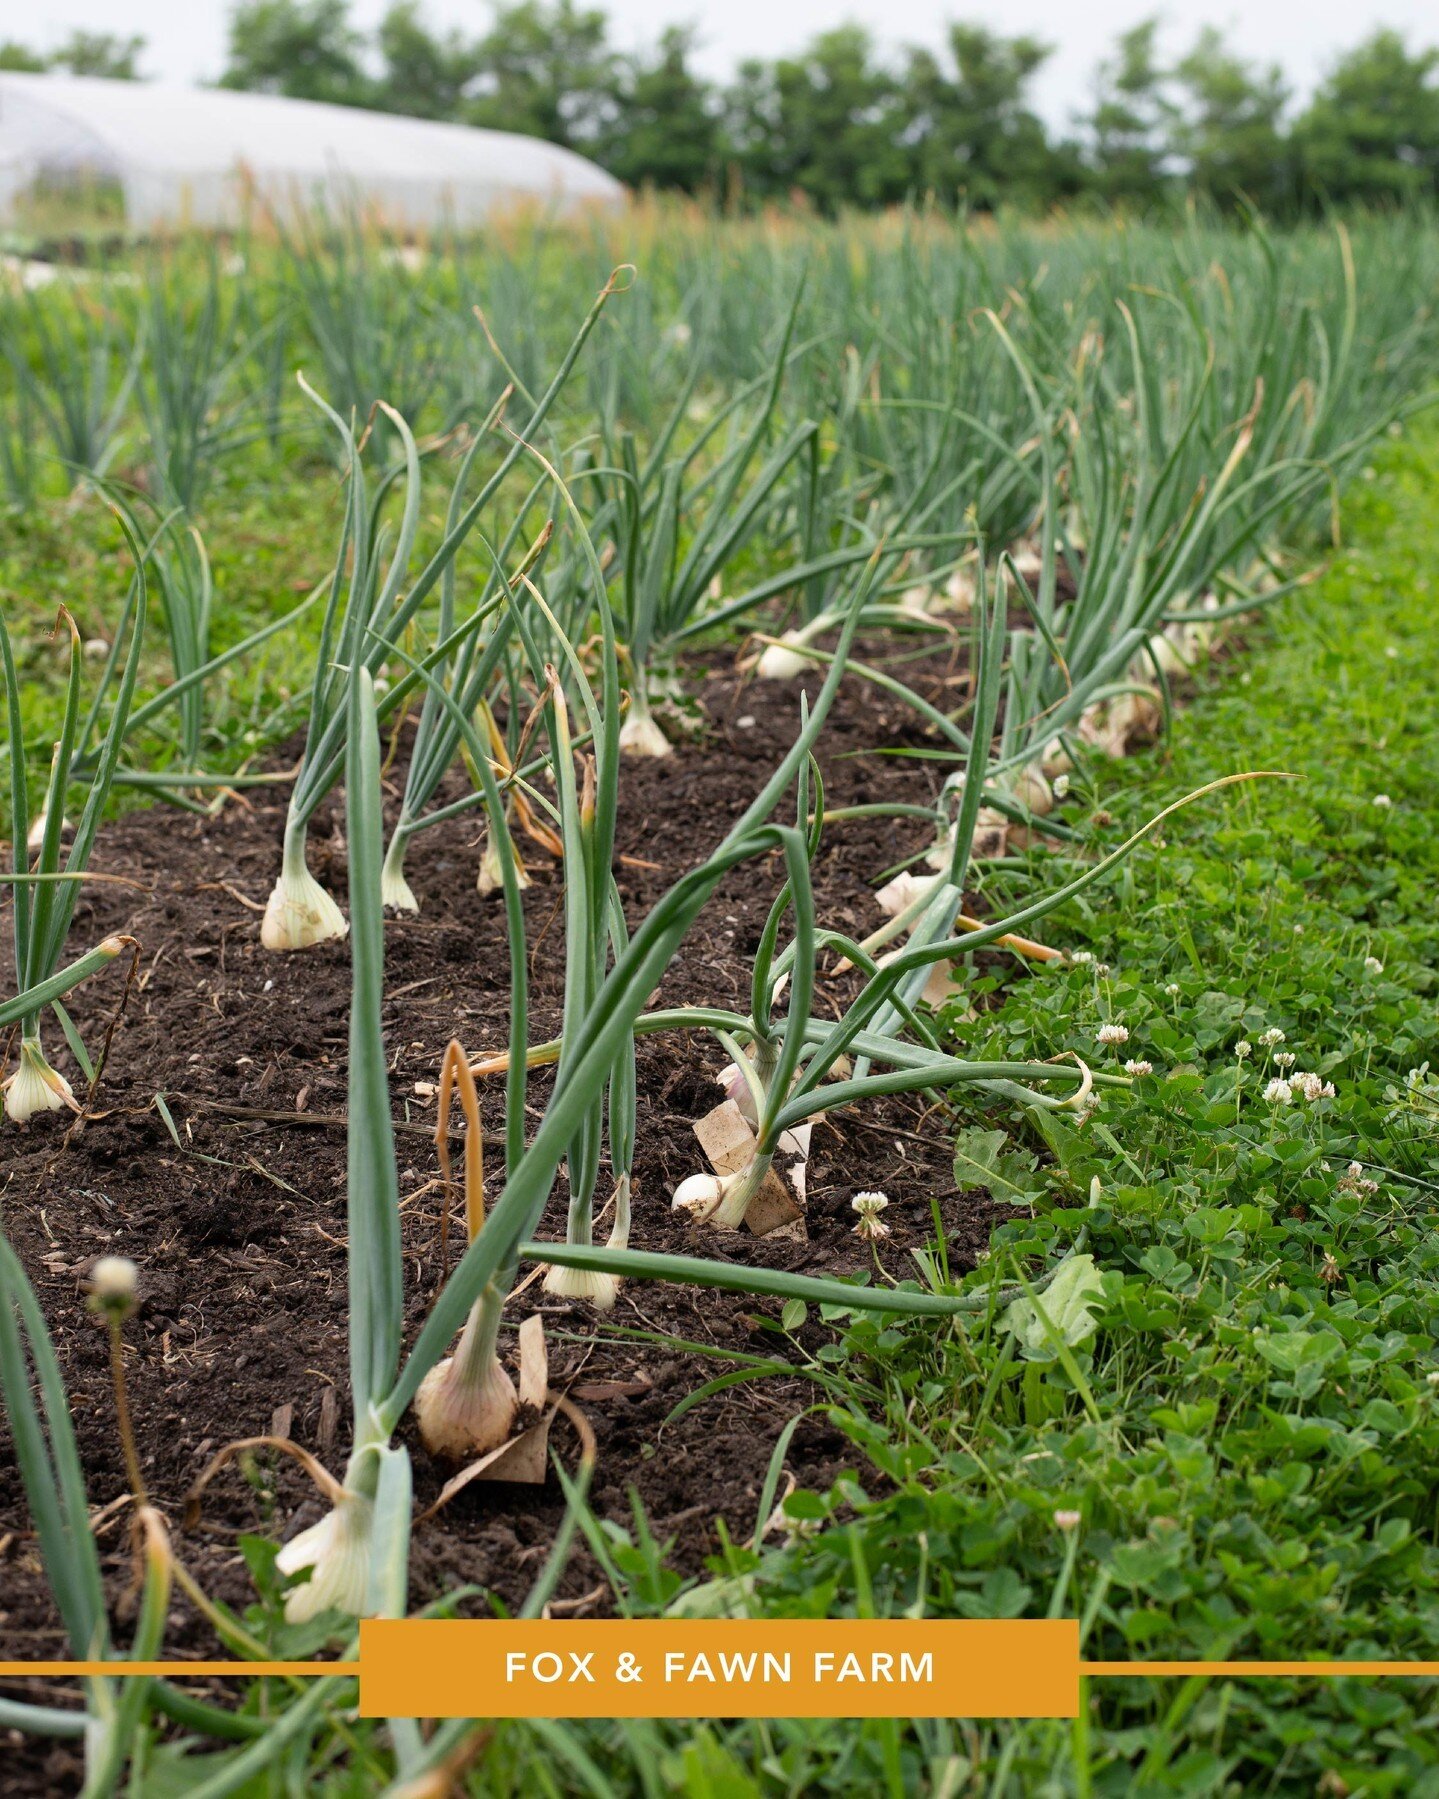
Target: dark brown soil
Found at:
239, 1236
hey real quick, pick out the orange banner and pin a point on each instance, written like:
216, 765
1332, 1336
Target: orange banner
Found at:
673, 1668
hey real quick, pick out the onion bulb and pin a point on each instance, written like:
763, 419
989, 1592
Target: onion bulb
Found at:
1032, 792
299, 913
593, 1284
35, 836
781, 662
719, 1200
899, 894
395, 891
466, 1404
337, 1553
490, 878
35, 1086
641, 736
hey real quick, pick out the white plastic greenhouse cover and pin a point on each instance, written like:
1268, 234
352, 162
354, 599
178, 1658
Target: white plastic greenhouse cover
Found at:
200, 156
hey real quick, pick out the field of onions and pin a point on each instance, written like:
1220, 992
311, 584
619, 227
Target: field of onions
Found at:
516, 753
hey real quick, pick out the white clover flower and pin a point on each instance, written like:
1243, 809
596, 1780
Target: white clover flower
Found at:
1060, 786
1172, 989
1382, 801
1066, 1520
1372, 965
1285, 1059
1313, 1086
1102, 968
1272, 1036
1243, 1049
1079, 957
1279, 1093
1433, 1377
1112, 1033
869, 1206
1138, 1068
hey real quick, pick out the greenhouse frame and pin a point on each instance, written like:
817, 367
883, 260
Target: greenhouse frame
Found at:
210, 157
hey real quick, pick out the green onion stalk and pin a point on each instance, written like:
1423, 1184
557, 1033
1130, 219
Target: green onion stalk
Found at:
467, 673
45, 893
365, 614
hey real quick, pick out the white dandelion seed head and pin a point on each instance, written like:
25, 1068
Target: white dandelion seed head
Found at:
113, 1280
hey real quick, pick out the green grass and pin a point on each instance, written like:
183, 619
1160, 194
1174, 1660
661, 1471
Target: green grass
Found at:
1250, 1433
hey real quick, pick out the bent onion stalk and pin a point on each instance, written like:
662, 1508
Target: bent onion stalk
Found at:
467, 1403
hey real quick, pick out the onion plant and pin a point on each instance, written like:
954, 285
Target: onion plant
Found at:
44, 891
370, 604
75, 358
464, 677
193, 393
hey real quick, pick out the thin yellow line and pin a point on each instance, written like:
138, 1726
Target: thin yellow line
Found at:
1263, 1670
172, 1670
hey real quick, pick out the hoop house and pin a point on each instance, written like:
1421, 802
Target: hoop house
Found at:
206, 156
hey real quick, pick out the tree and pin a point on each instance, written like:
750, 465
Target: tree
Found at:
306, 49
1130, 121
423, 74
1230, 132
100, 53
17, 59
82, 53
975, 137
546, 69
1371, 132
664, 131
827, 124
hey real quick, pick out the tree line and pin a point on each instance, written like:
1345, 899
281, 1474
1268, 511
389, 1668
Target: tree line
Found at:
845, 123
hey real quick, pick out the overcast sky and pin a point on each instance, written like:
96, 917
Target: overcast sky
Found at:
187, 37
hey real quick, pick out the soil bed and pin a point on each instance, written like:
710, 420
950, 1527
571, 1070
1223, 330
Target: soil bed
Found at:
240, 1238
